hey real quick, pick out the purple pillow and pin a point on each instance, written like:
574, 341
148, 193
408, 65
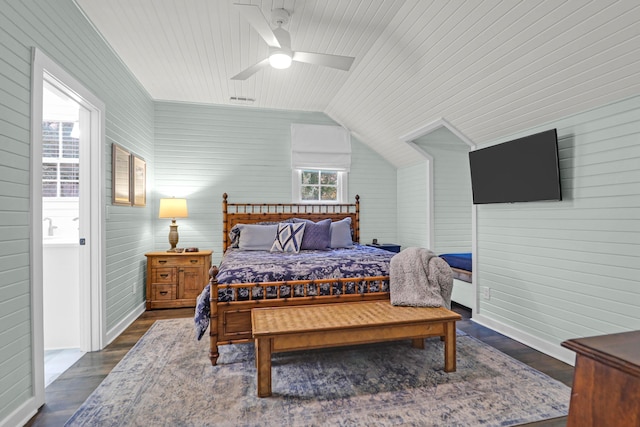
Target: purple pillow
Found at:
317, 235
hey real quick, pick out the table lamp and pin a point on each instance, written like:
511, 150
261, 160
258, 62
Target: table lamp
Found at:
173, 208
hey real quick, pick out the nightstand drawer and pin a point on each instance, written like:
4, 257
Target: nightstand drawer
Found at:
164, 292
164, 275
181, 261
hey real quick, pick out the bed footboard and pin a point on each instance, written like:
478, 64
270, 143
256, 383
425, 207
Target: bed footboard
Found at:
230, 321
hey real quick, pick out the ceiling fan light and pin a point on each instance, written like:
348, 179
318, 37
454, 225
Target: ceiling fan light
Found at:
280, 60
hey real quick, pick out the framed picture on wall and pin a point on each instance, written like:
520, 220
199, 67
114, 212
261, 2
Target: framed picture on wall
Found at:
120, 176
139, 181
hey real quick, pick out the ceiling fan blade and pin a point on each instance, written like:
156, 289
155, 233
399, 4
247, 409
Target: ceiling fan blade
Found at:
245, 74
256, 18
333, 61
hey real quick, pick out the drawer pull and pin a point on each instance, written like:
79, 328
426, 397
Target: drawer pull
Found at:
164, 292
162, 261
194, 261
164, 275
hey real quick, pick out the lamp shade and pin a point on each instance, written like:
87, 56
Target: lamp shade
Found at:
173, 208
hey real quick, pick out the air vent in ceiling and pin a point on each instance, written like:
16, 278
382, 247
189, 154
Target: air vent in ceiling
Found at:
240, 100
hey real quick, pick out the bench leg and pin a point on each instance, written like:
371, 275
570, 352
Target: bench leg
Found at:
418, 343
450, 347
263, 366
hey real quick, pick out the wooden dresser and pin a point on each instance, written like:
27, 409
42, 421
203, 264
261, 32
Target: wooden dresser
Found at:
606, 382
176, 279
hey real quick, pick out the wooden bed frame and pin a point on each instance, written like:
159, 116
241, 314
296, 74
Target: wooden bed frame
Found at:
230, 322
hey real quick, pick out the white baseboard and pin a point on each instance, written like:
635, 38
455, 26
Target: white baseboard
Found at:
548, 348
21, 415
114, 332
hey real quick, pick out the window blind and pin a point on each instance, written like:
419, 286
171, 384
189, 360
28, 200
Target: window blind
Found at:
320, 147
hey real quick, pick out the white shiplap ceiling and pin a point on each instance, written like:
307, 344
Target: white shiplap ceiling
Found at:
492, 68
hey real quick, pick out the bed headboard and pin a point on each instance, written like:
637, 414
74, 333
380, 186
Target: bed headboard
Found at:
248, 213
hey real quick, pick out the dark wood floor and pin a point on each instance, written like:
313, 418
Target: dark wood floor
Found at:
69, 391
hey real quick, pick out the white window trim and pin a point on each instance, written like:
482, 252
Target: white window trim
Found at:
343, 190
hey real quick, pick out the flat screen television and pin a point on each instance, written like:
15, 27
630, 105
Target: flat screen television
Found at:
522, 170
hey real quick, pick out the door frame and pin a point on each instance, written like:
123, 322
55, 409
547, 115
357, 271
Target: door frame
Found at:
92, 224
409, 139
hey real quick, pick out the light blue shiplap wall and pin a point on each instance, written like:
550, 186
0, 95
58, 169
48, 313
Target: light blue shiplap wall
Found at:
62, 33
203, 151
452, 199
413, 205
560, 270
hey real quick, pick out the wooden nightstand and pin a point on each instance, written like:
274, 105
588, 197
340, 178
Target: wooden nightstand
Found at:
176, 279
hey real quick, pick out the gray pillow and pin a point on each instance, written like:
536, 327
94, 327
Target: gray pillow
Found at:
234, 233
341, 234
317, 235
255, 237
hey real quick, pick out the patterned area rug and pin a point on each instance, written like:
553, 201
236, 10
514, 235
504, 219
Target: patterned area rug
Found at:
167, 380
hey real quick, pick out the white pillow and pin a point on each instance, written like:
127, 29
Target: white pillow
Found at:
289, 237
255, 237
341, 234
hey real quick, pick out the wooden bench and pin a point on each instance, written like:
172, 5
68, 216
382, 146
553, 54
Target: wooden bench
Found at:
278, 329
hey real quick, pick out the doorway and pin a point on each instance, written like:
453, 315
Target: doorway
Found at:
67, 200
63, 145
452, 227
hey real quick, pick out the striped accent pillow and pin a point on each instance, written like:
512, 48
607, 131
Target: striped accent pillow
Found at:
288, 237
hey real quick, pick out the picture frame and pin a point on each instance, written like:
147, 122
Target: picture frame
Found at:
120, 176
138, 181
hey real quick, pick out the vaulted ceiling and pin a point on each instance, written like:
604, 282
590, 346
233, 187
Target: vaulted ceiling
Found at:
491, 68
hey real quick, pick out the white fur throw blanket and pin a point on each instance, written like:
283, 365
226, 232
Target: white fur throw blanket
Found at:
420, 278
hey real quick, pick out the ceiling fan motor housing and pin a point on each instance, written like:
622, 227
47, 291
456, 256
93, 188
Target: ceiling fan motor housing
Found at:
280, 17
283, 38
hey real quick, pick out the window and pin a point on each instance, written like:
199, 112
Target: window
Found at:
319, 186
60, 160
320, 159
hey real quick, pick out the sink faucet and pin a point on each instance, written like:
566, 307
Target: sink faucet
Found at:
51, 226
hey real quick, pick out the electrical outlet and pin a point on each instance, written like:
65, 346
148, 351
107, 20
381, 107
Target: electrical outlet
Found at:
486, 293
133, 288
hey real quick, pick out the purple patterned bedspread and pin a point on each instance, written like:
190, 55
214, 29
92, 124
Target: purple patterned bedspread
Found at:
239, 266
262, 266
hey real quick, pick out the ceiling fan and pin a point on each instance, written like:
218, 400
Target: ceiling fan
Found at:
279, 41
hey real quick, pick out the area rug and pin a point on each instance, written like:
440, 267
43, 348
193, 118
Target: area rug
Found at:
167, 380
